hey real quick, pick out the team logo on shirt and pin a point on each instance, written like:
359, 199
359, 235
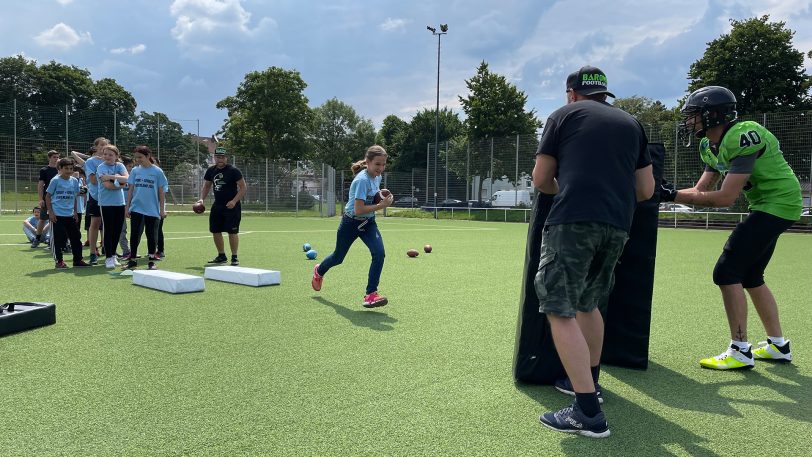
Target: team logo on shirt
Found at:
219, 182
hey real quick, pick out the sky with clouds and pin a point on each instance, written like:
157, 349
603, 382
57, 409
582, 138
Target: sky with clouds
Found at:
180, 57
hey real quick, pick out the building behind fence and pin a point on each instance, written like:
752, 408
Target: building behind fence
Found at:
458, 174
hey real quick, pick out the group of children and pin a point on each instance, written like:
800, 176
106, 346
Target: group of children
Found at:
109, 189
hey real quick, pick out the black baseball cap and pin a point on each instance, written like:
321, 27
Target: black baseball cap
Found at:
221, 151
588, 80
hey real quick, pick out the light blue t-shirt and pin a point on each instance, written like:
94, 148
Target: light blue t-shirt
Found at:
110, 197
145, 182
91, 165
31, 234
63, 195
363, 187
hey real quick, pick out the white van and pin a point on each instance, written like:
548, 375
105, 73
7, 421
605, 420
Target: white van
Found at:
512, 198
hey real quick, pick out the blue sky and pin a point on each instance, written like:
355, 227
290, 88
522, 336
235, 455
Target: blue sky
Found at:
180, 57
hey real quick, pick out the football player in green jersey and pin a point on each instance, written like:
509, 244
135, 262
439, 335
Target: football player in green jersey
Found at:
747, 158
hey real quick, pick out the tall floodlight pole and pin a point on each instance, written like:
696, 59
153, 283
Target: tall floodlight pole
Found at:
443, 31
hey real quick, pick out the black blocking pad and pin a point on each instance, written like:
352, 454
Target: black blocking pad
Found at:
26, 315
628, 313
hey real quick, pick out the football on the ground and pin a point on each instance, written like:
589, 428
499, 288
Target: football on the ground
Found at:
199, 207
412, 253
381, 194
427, 248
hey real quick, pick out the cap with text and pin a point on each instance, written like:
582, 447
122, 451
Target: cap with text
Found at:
588, 80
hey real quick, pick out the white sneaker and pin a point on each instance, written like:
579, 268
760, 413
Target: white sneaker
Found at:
768, 350
115, 261
732, 359
110, 262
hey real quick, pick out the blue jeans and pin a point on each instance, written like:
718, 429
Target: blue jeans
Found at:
348, 231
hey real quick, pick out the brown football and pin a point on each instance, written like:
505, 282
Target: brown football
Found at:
380, 195
427, 248
412, 253
199, 208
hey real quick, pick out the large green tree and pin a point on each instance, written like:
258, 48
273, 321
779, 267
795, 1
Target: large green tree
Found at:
391, 135
43, 93
18, 78
758, 62
339, 135
496, 114
411, 144
109, 96
657, 119
268, 116
495, 108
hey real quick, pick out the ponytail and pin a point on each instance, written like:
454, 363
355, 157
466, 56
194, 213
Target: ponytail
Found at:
358, 166
372, 152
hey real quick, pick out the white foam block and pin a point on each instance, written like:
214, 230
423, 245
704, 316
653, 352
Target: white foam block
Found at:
168, 281
241, 275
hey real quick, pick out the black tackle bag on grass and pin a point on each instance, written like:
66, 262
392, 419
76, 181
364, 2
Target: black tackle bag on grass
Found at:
627, 316
18, 316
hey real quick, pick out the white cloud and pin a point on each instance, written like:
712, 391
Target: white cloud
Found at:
214, 26
188, 81
64, 2
137, 49
62, 36
390, 24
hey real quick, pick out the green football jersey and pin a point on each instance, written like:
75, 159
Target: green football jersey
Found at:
772, 187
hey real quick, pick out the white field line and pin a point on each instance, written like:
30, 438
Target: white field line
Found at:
206, 235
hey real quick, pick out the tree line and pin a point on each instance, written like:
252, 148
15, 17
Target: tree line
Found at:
269, 116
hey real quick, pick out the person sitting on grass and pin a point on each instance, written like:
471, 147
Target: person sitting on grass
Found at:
30, 227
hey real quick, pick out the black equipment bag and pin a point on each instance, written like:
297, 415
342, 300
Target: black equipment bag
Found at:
18, 316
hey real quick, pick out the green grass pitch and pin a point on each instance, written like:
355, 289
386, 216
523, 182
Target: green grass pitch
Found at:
283, 370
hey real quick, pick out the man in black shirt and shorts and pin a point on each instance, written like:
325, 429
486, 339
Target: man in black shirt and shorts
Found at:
46, 174
229, 187
593, 157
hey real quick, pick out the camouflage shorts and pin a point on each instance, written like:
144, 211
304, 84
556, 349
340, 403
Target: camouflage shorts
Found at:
576, 266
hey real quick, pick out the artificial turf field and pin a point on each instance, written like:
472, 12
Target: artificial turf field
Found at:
284, 370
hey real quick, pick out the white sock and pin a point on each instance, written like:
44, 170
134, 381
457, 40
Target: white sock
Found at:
742, 345
777, 340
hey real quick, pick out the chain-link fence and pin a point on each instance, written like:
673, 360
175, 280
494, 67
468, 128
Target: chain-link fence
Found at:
491, 173
28, 132
473, 175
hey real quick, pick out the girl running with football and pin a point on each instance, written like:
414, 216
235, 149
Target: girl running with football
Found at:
358, 221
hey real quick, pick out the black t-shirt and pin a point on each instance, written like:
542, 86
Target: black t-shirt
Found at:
224, 183
598, 149
46, 174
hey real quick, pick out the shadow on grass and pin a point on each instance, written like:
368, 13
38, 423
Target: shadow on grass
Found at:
374, 320
658, 383
82, 271
635, 430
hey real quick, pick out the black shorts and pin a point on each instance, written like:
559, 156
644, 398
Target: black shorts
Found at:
222, 219
92, 209
43, 214
748, 250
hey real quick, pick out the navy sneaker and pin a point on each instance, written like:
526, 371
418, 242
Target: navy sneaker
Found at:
221, 258
572, 420
565, 386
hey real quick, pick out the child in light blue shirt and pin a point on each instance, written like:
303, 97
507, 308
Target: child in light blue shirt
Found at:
61, 197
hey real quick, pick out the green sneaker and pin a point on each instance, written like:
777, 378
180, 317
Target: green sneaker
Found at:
767, 350
732, 359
